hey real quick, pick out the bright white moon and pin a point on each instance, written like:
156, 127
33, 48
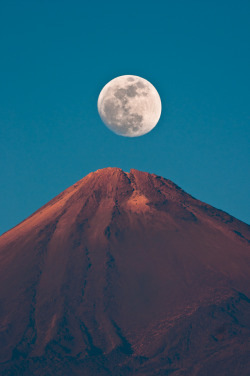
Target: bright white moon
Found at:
129, 106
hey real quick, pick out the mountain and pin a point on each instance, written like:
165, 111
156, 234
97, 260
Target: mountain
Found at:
125, 274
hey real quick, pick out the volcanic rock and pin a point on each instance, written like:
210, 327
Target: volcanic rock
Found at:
125, 274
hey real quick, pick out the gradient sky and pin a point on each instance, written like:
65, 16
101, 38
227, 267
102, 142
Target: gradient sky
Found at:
57, 55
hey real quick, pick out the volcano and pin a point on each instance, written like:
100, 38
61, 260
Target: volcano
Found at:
125, 274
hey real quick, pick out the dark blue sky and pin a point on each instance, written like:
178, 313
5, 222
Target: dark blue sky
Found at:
57, 55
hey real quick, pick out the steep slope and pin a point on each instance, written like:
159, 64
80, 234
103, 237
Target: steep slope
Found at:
125, 274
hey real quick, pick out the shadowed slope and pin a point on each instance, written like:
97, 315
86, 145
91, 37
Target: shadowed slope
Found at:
122, 274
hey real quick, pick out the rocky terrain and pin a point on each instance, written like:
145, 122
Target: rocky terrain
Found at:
125, 274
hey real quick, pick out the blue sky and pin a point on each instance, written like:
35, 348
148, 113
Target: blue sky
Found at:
57, 55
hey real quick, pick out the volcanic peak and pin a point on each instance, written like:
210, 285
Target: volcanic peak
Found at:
124, 273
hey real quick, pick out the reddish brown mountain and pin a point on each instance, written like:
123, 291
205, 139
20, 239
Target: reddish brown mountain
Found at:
125, 274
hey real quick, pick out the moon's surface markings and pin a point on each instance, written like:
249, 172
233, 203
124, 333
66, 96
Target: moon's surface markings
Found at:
129, 106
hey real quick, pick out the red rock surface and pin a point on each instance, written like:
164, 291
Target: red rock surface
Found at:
125, 274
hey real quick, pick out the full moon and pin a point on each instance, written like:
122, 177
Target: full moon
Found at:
129, 106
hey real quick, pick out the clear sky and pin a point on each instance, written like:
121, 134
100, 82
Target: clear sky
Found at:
56, 56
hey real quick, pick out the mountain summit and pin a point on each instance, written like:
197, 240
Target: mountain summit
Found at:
125, 274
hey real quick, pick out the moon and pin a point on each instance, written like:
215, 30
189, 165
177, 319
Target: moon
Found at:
130, 106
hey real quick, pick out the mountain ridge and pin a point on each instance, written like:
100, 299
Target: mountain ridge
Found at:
104, 171
114, 273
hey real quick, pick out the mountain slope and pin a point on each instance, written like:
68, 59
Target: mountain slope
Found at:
125, 274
